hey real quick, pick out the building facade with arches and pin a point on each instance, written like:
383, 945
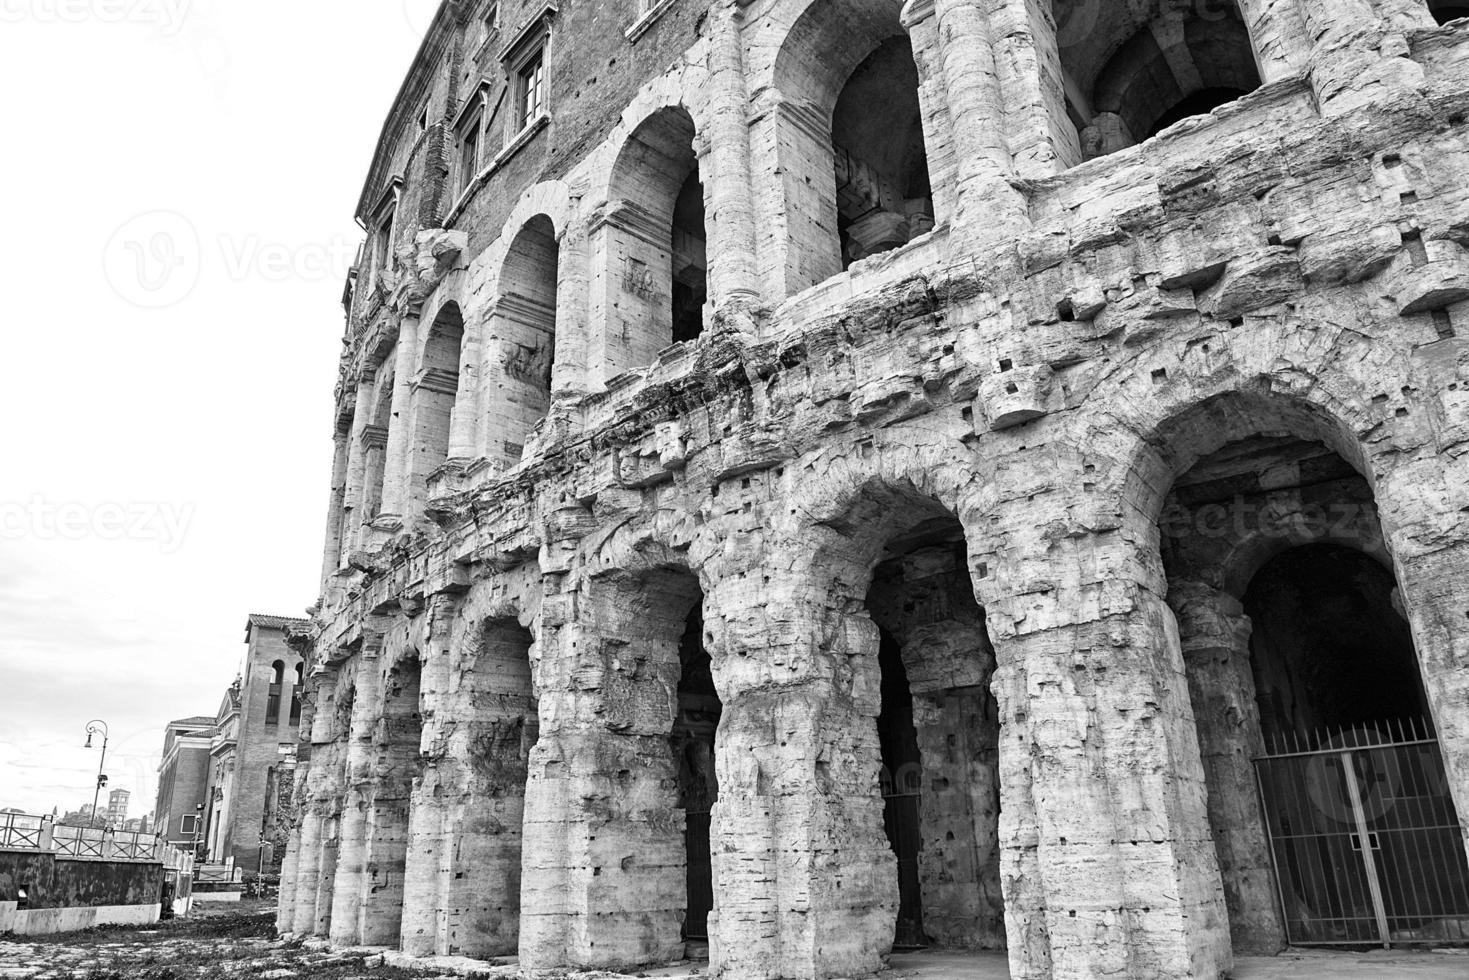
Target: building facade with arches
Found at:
816, 477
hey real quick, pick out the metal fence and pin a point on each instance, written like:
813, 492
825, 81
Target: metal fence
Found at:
21, 831
90, 842
1365, 839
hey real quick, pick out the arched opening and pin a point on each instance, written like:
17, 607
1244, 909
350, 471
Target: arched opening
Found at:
1445, 11
1311, 713
881, 164
397, 747
938, 734
274, 692
525, 324
652, 241
1131, 71
692, 741
852, 156
278, 672
436, 386
1329, 651
482, 916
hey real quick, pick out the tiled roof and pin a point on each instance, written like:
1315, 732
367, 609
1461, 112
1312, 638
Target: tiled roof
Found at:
274, 622
194, 721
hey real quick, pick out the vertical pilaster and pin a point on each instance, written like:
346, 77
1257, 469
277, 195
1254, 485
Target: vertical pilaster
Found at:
933, 102
1108, 864
353, 512
350, 882
465, 419
806, 883
731, 207
1215, 635
1038, 134
1278, 36
332, 558
604, 867
395, 501
988, 201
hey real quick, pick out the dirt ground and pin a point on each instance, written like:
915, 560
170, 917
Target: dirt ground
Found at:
236, 942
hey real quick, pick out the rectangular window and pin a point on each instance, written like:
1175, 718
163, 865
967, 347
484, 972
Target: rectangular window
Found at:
491, 22
273, 705
469, 154
296, 706
188, 825
530, 89
382, 242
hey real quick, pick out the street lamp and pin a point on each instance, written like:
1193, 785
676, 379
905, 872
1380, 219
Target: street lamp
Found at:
98, 727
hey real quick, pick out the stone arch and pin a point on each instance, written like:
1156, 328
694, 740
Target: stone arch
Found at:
832, 204
1131, 71
435, 404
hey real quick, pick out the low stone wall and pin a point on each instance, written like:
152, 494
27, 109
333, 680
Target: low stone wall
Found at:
47, 922
64, 894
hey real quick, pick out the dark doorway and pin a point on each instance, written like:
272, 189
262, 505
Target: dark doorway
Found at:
1329, 650
902, 779
690, 281
693, 740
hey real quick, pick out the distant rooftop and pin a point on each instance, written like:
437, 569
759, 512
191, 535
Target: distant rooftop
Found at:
274, 622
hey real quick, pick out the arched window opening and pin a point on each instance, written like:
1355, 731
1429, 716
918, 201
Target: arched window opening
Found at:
938, 734
273, 693
847, 127
1297, 653
1131, 71
881, 164
653, 242
693, 737
1445, 11
436, 385
525, 318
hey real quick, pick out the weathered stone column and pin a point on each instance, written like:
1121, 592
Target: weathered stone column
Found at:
1278, 36
314, 879
464, 422
573, 305
1108, 864
302, 920
603, 884
1215, 635
806, 885
350, 882
933, 103
1352, 57
352, 500
331, 559
1038, 134
988, 203
400, 432
725, 167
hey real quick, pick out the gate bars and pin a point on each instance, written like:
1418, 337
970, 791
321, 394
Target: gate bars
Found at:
1364, 837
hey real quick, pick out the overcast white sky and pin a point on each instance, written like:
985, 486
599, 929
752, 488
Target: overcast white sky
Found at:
179, 183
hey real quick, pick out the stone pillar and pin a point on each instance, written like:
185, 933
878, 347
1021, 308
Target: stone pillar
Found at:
394, 764
1435, 590
1038, 134
806, 883
350, 882
1215, 635
464, 422
314, 874
285, 908
1400, 16
604, 883
400, 433
725, 167
988, 203
1278, 36
308, 881
933, 102
1352, 57
335, 530
1108, 865
353, 498
573, 302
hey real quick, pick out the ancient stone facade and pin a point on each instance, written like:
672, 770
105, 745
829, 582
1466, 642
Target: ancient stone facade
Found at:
822, 474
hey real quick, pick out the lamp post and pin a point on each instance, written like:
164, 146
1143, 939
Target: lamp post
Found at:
97, 727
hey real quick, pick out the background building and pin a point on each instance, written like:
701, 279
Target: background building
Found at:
117, 807
183, 777
253, 741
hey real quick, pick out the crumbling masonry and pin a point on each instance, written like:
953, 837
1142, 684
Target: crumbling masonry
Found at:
822, 474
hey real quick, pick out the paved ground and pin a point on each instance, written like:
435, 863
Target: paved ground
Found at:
238, 944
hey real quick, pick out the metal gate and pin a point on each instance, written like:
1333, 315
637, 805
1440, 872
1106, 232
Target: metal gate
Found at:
1365, 840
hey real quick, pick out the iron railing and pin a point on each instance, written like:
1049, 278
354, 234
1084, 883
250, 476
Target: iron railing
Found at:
1367, 845
21, 831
